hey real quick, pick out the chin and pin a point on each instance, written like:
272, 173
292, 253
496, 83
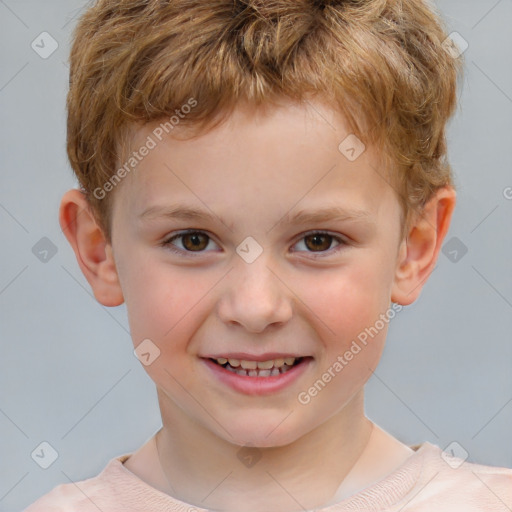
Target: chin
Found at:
264, 434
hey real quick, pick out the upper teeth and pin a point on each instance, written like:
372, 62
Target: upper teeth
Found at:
261, 365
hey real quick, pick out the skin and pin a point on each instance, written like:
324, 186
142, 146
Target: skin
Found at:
251, 170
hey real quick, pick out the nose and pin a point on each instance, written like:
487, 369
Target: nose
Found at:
254, 297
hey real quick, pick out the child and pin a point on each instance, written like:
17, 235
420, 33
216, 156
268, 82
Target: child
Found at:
219, 146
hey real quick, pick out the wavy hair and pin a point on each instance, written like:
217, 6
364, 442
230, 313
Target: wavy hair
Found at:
381, 63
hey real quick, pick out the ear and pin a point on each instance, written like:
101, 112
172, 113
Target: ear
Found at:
419, 250
92, 251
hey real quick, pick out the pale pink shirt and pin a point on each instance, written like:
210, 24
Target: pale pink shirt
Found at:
425, 482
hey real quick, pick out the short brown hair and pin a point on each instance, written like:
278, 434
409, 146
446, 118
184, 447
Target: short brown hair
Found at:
382, 63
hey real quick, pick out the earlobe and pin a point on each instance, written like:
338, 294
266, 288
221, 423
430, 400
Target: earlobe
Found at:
420, 249
93, 252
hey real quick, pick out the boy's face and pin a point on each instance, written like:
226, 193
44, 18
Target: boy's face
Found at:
255, 173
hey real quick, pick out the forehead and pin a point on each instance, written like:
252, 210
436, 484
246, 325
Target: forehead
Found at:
286, 158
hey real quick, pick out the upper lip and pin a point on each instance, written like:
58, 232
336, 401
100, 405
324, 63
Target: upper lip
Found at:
253, 357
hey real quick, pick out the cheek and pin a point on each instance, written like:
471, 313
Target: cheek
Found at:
347, 305
166, 307
159, 300
347, 300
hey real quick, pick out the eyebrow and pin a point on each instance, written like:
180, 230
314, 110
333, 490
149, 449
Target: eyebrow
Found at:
333, 213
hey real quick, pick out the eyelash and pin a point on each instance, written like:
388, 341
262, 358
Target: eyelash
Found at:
321, 254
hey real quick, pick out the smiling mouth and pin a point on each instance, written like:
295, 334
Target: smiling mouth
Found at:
271, 368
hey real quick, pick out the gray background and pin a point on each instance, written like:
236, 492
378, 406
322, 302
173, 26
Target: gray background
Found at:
68, 375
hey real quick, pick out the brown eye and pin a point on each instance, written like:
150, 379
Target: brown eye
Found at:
318, 244
195, 241
188, 243
318, 241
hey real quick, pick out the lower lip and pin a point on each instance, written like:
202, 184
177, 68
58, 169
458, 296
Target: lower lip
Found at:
258, 385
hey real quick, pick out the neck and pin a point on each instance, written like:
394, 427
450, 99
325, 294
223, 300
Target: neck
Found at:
206, 470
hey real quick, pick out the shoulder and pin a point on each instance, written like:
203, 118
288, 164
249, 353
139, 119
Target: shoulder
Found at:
63, 498
88, 495
115, 489
451, 483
